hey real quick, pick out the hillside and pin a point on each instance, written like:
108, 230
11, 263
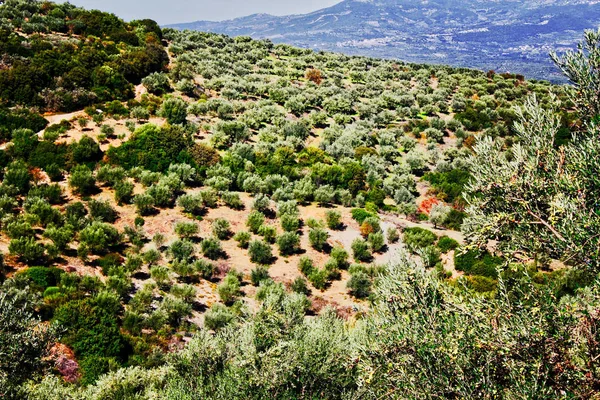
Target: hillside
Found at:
189, 215
505, 36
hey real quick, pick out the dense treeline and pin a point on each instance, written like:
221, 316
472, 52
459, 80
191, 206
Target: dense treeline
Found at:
61, 58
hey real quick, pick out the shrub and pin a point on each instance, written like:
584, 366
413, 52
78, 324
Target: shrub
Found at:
269, 233
392, 235
182, 250
260, 252
474, 262
221, 228
205, 268
191, 203
102, 211
290, 223
217, 317
359, 285
318, 238
211, 248
232, 200
418, 238
360, 249
82, 181
305, 265
299, 286
229, 290
44, 277
340, 255
144, 203
186, 229
360, 214
259, 274
243, 239
430, 256
174, 110
333, 219
255, 220
288, 243
261, 203
376, 241
318, 278
157, 83
123, 192
99, 236
446, 244
370, 225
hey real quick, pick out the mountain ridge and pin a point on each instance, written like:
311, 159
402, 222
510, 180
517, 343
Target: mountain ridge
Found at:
507, 36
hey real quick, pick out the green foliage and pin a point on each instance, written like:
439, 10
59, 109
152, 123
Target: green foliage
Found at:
449, 185
359, 285
174, 110
229, 290
333, 219
25, 343
99, 237
255, 220
318, 238
152, 148
260, 252
218, 316
243, 239
186, 229
92, 326
82, 180
360, 250
473, 262
376, 242
359, 215
211, 248
446, 244
259, 274
27, 250
43, 277
288, 243
418, 238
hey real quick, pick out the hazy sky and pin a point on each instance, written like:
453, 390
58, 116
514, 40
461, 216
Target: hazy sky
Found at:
172, 11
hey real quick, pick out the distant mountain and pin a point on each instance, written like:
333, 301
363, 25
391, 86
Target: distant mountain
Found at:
503, 35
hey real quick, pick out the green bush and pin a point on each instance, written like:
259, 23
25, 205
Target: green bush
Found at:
229, 290
81, 180
474, 262
260, 252
360, 249
360, 214
318, 238
259, 274
299, 286
44, 277
290, 222
333, 219
243, 239
288, 243
376, 241
318, 278
359, 285
211, 248
340, 255
218, 316
255, 220
418, 238
446, 244
306, 266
